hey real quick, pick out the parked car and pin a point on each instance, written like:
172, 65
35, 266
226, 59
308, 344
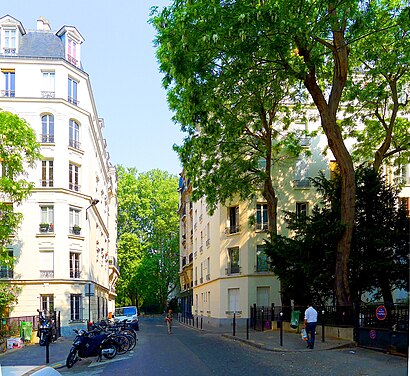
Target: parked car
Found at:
130, 314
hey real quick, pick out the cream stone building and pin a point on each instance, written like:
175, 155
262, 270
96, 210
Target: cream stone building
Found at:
65, 249
223, 267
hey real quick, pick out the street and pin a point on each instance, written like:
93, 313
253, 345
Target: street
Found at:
190, 352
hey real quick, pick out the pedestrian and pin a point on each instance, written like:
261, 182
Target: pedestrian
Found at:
310, 325
168, 319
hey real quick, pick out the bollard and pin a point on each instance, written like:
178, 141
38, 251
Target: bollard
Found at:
201, 323
281, 328
323, 326
247, 328
234, 325
197, 322
47, 349
263, 321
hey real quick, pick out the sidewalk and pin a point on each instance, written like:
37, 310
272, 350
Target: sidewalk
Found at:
291, 341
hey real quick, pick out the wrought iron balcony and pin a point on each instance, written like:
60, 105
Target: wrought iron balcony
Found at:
74, 144
8, 93
75, 273
47, 139
47, 183
6, 273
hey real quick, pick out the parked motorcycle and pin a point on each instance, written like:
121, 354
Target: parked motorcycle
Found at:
45, 328
86, 345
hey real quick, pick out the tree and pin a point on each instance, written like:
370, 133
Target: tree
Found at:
304, 41
379, 258
379, 94
18, 151
148, 251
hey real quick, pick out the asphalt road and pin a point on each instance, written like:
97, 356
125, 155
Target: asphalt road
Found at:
193, 353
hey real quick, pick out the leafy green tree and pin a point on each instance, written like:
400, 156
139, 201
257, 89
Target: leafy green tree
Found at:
379, 258
18, 151
379, 94
205, 45
148, 228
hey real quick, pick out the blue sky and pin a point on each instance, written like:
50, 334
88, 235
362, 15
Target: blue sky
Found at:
119, 56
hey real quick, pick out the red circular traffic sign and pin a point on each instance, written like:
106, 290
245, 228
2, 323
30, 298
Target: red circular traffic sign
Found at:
372, 334
381, 312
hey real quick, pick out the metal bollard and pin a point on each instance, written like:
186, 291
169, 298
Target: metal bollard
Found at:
281, 327
247, 328
323, 326
234, 325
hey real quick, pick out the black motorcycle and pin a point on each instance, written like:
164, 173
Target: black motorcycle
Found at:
86, 345
45, 328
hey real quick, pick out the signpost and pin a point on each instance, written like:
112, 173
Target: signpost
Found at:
381, 312
89, 291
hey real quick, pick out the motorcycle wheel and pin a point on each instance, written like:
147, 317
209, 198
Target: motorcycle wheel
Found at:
71, 358
112, 347
133, 343
123, 344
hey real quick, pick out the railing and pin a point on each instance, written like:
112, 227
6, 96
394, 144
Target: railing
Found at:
6, 273
9, 51
75, 273
232, 229
302, 183
47, 183
72, 60
74, 101
48, 94
74, 187
232, 269
74, 144
262, 226
47, 138
8, 93
74, 230
46, 273
183, 261
46, 228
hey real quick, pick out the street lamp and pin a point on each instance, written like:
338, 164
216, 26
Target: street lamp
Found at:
93, 203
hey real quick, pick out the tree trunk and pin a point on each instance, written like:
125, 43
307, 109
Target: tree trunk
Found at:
328, 115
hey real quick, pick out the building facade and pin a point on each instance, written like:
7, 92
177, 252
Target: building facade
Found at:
65, 249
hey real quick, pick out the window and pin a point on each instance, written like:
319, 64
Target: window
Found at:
262, 216
10, 42
73, 171
72, 51
301, 209
47, 124
233, 260
47, 264
48, 85
74, 134
208, 234
233, 220
302, 174
72, 91
74, 221
47, 302
76, 307
47, 173
75, 271
233, 300
9, 83
47, 218
208, 269
261, 259
263, 296
7, 265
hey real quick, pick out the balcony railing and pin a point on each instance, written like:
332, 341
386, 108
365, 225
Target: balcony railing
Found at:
74, 230
72, 60
46, 273
48, 94
8, 93
302, 183
47, 139
74, 144
232, 229
47, 183
74, 187
75, 273
262, 226
233, 269
9, 51
46, 227
6, 273
74, 101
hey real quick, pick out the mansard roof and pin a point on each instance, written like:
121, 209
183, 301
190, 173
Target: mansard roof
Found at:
39, 43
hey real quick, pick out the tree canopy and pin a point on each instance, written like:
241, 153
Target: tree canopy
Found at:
18, 151
227, 63
148, 229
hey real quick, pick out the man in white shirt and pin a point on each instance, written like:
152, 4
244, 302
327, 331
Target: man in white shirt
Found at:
310, 325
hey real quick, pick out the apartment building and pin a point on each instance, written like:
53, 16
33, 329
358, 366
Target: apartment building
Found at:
224, 269
65, 249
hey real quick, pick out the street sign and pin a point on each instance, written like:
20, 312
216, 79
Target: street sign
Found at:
89, 289
372, 334
381, 312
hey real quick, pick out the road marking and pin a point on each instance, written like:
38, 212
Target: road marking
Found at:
96, 364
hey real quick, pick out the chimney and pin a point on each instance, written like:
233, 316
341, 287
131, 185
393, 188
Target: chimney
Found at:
43, 24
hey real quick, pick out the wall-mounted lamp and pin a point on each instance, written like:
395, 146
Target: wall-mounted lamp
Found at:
93, 203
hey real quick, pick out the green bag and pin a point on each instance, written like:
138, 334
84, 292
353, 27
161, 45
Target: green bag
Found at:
294, 321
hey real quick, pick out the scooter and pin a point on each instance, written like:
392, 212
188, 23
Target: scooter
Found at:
45, 328
86, 345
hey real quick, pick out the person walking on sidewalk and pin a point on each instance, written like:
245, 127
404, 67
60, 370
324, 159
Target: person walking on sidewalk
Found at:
310, 325
168, 319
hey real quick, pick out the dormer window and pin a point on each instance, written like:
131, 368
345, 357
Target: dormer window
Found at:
10, 42
10, 32
72, 40
72, 51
